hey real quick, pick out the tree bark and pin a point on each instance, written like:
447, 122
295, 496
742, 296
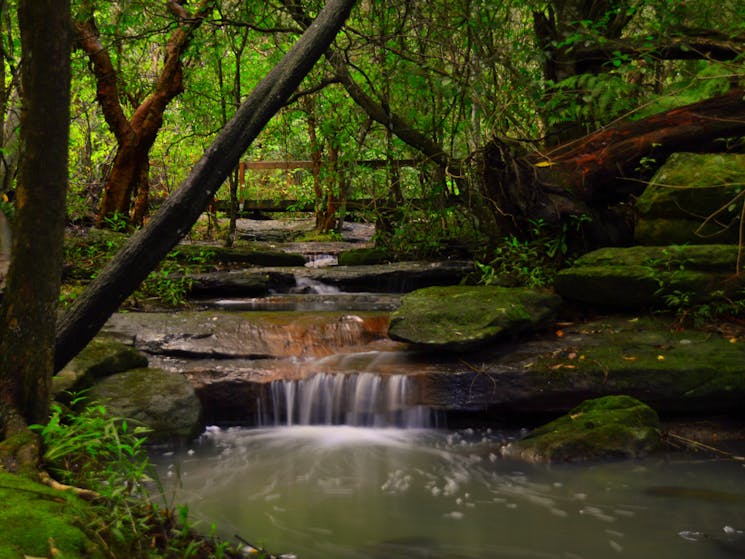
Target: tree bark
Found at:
136, 135
27, 326
148, 246
587, 175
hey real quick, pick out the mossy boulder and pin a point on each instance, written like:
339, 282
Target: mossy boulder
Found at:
461, 318
643, 276
201, 254
685, 191
38, 521
610, 427
365, 256
163, 401
102, 357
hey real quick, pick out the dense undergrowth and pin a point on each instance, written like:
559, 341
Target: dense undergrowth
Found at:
129, 515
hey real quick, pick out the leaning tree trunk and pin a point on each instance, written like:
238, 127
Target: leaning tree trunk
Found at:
146, 248
588, 175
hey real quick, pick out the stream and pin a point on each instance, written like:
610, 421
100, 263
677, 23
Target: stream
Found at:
338, 461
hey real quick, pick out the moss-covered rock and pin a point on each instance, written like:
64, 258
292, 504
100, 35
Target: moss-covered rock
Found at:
603, 428
102, 357
365, 256
38, 521
460, 318
644, 276
241, 254
163, 401
686, 190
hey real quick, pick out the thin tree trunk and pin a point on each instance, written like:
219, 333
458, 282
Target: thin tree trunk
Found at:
144, 250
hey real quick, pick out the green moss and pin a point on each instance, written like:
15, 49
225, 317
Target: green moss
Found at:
458, 318
608, 427
364, 256
33, 516
688, 369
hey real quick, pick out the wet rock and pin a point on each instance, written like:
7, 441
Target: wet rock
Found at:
643, 276
690, 371
365, 256
246, 334
397, 277
460, 318
163, 401
684, 192
250, 255
102, 357
243, 283
604, 428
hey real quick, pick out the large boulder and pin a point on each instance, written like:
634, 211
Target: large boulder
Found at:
605, 428
102, 357
685, 191
644, 276
165, 402
461, 318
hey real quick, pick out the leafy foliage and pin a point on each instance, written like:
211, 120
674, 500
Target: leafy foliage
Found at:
106, 454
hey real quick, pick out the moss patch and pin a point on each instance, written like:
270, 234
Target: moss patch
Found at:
34, 517
365, 256
459, 318
608, 427
684, 371
643, 276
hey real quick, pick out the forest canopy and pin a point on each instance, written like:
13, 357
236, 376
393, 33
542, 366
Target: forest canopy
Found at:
432, 83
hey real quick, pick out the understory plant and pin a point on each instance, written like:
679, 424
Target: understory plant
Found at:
106, 455
531, 261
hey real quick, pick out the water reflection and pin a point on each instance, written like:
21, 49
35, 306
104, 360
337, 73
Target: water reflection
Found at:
353, 492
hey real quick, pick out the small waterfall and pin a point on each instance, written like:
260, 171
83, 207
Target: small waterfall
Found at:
307, 285
360, 400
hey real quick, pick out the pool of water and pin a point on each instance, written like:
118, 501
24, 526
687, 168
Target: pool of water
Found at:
344, 492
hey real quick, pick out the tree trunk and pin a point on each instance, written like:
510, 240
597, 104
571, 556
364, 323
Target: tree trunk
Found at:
27, 326
135, 136
144, 250
588, 175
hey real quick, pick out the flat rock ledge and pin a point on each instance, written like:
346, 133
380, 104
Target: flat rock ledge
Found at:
651, 276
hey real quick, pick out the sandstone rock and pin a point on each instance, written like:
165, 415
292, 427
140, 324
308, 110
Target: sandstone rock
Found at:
460, 318
684, 192
163, 401
102, 357
608, 427
645, 276
364, 256
692, 372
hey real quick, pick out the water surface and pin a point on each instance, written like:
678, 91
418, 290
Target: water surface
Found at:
345, 492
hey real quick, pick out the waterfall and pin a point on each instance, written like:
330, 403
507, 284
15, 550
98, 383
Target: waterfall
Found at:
361, 400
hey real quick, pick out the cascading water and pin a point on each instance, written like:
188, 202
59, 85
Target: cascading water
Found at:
360, 400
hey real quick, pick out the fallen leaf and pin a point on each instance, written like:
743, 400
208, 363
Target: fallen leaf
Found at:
630, 358
559, 333
572, 355
733, 340
660, 358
